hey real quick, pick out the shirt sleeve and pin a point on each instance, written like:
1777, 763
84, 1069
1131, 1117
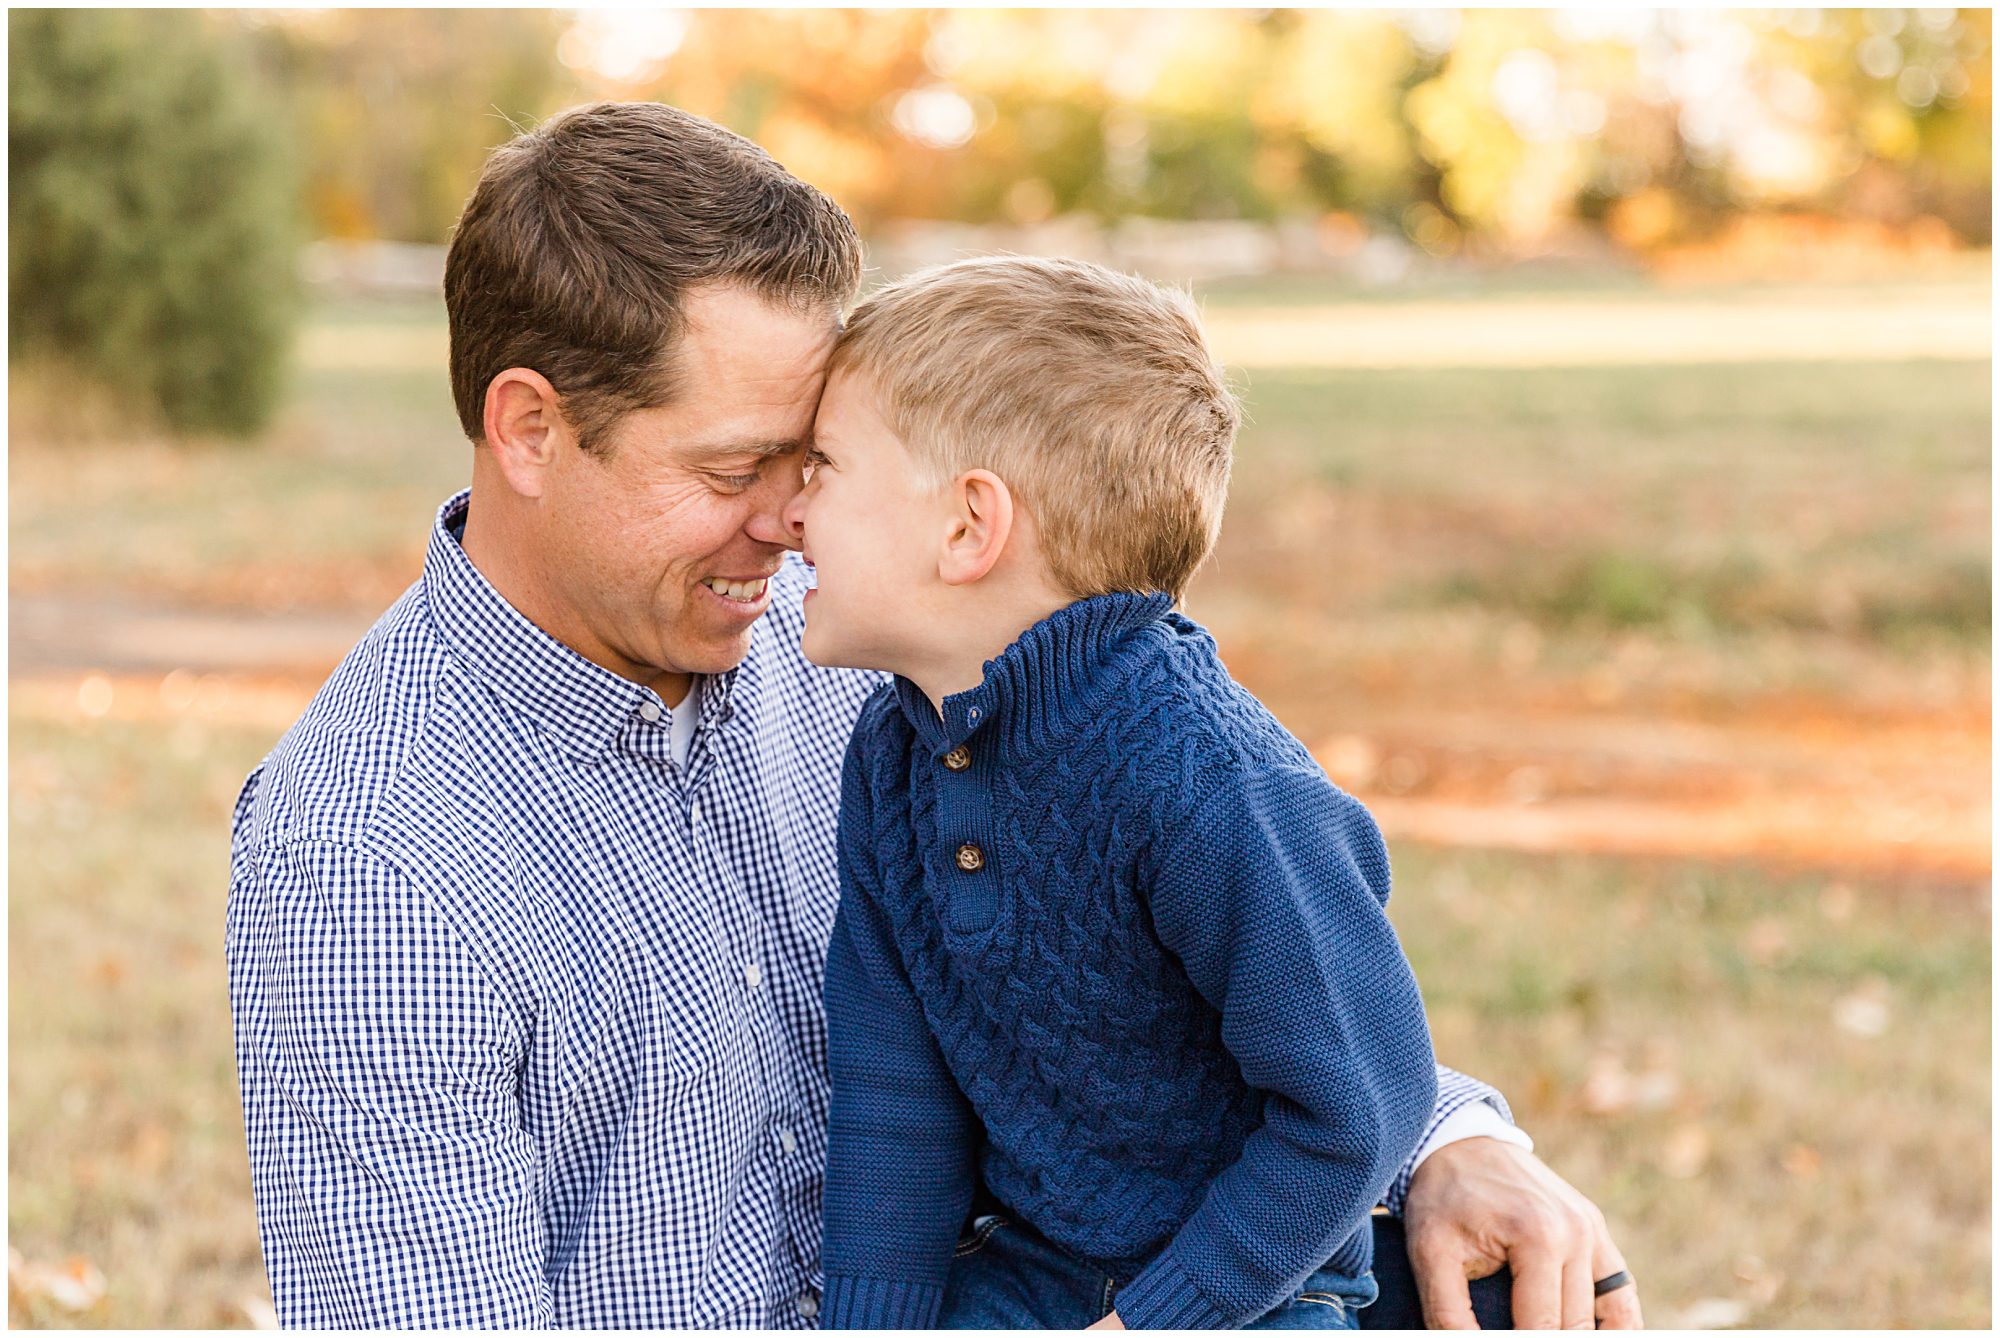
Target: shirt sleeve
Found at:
901, 1136
1465, 1108
1271, 894
395, 1185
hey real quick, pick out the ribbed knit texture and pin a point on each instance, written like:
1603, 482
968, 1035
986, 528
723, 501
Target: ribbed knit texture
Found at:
1165, 1018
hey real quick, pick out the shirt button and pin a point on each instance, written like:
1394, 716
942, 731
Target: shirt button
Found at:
808, 1305
787, 1141
753, 973
648, 712
958, 759
971, 858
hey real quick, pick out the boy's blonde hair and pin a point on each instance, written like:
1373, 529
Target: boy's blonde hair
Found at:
1091, 392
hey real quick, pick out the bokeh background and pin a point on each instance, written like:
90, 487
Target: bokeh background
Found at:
1612, 515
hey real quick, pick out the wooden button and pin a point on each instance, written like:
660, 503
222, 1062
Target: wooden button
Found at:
971, 858
958, 759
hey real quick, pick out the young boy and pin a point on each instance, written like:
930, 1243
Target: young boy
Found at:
1110, 952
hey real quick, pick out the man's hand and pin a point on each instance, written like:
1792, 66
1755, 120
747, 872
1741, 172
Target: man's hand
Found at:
1479, 1203
1110, 1321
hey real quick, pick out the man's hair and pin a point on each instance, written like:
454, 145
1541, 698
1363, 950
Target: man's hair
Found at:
584, 235
1092, 393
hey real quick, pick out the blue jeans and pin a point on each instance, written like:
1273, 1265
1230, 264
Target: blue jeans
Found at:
1006, 1275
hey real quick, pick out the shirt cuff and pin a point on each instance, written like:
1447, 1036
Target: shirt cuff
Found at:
1476, 1119
1456, 1092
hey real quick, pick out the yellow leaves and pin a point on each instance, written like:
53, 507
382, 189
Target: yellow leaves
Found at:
1888, 130
843, 165
34, 1288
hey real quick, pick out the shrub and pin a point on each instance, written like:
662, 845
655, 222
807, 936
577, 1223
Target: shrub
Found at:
152, 212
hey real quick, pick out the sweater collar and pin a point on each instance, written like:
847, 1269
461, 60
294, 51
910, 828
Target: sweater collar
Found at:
1051, 680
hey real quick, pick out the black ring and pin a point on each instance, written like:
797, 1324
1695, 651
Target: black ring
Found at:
1611, 1284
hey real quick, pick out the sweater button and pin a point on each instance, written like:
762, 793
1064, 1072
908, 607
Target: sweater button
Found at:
958, 759
971, 858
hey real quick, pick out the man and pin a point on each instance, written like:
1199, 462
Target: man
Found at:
529, 909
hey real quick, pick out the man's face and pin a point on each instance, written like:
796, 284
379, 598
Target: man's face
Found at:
872, 530
662, 544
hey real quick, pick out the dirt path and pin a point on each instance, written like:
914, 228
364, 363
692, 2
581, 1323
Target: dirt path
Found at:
1906, 797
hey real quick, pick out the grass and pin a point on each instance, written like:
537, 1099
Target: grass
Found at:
1673, 1036
125, 1133
1770, 1158
1696, 1047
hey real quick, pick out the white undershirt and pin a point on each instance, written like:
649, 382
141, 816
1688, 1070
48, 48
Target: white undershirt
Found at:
681, 734
1474, 1119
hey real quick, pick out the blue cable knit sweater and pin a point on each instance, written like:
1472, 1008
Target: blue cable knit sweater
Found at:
1109, 938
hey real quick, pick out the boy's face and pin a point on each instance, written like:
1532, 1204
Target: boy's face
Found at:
871, 529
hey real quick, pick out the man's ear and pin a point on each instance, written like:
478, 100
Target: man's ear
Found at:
525, 428
980, 522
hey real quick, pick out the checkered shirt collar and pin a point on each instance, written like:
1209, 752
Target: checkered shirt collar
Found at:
580, 705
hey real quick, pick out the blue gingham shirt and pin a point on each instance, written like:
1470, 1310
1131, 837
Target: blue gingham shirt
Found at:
528, 1015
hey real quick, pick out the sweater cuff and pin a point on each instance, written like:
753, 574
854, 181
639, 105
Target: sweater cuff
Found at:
879, 1303
1164, 1297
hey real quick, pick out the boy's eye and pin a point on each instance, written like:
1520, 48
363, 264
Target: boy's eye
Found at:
814, 459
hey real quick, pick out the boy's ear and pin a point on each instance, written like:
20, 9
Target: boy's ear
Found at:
980, 521
524, 428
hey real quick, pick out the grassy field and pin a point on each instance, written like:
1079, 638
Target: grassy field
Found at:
1774, 1080
1776, 1088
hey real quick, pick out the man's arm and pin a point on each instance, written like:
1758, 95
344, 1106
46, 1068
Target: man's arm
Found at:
1478, 1204
1465, 1108
379, 1069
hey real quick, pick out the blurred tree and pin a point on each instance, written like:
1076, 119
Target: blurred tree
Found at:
399, 107
152, 213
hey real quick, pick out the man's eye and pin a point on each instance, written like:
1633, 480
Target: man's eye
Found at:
735, 482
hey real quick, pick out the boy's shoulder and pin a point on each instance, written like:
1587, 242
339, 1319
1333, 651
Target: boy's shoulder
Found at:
880, 739
1188, 715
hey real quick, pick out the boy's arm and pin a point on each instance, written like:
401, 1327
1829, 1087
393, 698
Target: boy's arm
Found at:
900, 1144
379, 1067
1270, 893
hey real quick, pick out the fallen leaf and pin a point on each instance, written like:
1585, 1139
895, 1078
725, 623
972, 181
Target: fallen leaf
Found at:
1767, 941
150, 1148
257, 1312
1686, 1152
1761, 1283
109, 970
1864, 1011
75, 1285
1714, 1312
1801, 1161
1607, 1088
